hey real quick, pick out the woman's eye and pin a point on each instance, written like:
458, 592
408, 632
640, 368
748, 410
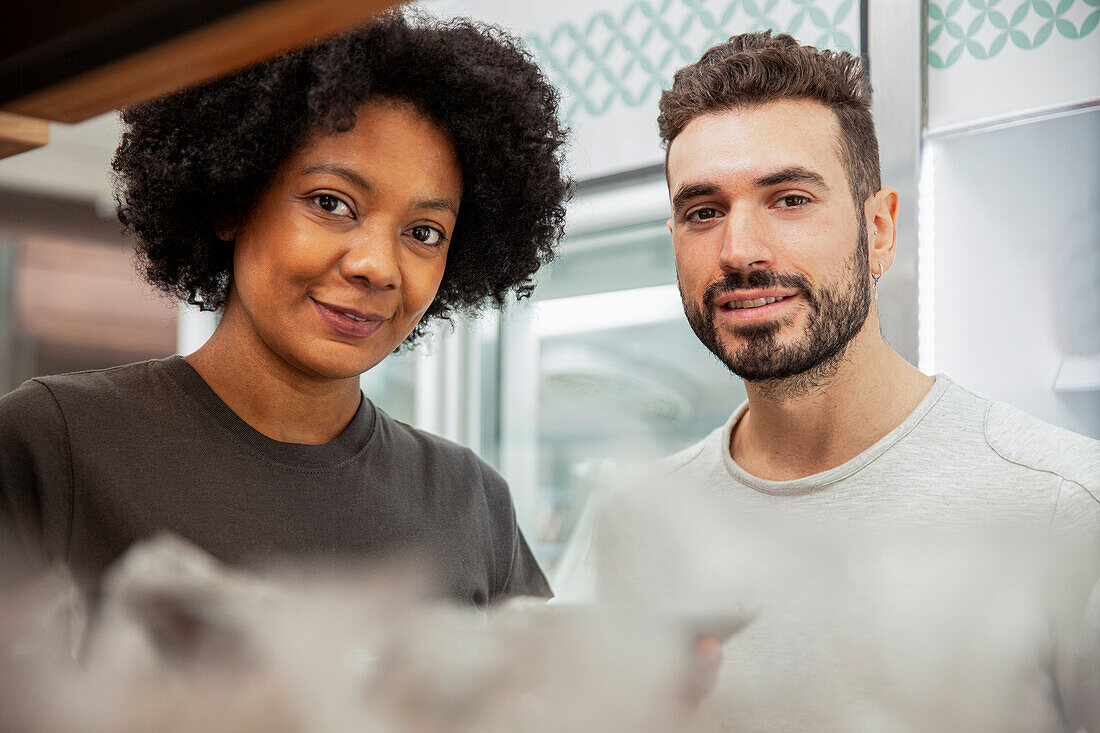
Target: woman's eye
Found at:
702, 214
427, 234
793, 200
333, 205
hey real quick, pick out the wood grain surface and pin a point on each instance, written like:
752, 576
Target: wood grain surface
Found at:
19, 133
232, 43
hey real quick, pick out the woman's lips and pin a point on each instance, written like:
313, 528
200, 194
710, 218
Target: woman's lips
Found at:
352, 324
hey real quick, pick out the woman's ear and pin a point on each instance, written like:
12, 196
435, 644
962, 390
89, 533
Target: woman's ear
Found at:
226, 230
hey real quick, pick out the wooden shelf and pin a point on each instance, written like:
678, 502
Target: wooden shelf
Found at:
19, 133
222, 46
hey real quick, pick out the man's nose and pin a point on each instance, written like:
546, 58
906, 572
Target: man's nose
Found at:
745, 242
372, 258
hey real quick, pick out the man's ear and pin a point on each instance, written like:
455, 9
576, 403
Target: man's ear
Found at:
881, 214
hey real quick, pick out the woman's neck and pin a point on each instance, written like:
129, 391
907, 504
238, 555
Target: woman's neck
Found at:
271, 395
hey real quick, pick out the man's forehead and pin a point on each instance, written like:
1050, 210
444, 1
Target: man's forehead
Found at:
753, 141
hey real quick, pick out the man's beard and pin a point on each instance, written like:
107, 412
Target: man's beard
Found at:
835, 316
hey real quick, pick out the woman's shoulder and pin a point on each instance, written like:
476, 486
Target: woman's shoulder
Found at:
93, 383
42, 400
414, 441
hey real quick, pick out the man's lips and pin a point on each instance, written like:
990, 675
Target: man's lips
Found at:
348, 321
746, 307
749, 299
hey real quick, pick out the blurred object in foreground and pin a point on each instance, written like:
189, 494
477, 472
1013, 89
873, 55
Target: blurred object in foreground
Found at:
181, 642
864, 625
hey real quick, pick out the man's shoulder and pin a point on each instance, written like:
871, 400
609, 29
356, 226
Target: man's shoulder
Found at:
697, 456
1027, 441
1016, 439
682, 459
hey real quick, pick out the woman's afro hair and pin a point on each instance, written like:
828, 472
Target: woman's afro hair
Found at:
200, 158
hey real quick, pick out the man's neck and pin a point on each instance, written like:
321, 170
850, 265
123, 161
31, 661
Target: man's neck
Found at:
792, 433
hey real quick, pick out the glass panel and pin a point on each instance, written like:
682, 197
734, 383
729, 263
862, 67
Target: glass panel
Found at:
631, 257
391, 385
601, 372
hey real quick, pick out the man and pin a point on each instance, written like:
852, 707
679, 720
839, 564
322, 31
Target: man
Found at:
781, 231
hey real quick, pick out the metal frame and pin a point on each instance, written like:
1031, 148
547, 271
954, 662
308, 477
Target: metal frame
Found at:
896, 32
7, 314
1014, 120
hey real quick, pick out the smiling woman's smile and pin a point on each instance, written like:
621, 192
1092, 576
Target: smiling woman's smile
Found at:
349, 323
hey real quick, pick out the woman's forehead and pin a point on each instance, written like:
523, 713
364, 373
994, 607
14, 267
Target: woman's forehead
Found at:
391, 145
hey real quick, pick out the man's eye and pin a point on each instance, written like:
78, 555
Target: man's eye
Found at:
332, 204
702, 214
427, 234
789, 202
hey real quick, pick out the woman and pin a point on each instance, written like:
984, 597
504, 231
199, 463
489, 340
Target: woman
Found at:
330, 203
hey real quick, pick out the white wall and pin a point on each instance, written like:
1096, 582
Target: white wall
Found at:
1017, 263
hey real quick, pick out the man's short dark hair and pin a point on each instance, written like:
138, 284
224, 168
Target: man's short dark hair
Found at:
756, 68
202, 157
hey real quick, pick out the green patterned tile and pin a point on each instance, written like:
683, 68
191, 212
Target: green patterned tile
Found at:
627, 57
985, 28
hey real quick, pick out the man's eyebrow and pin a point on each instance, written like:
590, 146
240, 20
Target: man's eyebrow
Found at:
793, 174
343, 172
689, 191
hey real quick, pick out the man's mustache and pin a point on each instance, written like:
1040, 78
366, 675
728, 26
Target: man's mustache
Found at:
756, 279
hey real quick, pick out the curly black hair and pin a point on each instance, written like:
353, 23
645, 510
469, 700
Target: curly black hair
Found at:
200, 158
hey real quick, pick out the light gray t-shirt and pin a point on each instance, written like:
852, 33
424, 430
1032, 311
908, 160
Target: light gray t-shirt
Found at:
910, 588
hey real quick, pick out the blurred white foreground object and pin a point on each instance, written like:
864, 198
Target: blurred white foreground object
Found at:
184, 643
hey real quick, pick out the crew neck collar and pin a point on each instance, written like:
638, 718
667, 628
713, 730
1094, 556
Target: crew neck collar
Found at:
819, 481
341, 449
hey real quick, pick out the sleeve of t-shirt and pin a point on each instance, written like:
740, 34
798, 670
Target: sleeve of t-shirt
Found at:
517, 573
35, 477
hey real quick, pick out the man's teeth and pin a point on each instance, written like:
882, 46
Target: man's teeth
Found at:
735, 304
355, 317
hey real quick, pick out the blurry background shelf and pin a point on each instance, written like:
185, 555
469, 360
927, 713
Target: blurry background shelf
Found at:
1078, 374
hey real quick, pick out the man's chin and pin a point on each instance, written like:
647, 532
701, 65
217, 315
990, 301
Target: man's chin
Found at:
764, 361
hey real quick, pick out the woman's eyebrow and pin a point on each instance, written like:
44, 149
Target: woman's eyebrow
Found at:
343, 172
440, 204
437, 205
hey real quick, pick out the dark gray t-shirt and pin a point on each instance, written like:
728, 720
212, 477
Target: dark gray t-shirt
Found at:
94, 461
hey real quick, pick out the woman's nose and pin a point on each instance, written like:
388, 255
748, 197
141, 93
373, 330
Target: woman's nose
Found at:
372, 259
